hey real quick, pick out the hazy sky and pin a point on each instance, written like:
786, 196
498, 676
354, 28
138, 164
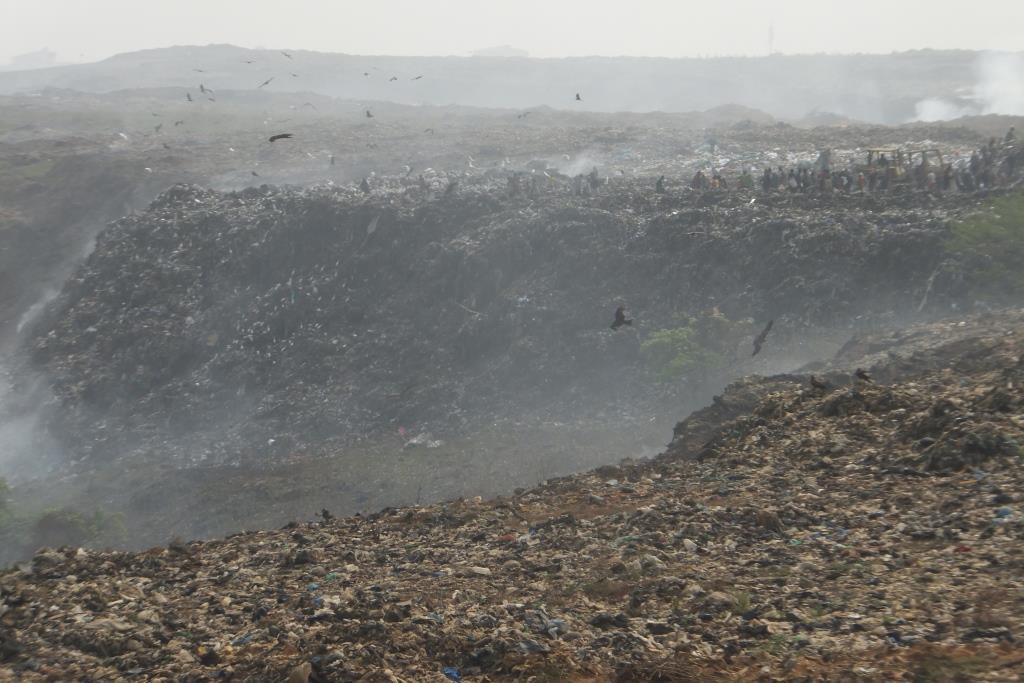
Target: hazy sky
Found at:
86, 30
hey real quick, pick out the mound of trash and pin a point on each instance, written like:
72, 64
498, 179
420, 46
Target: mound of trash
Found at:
865, 527
271, 321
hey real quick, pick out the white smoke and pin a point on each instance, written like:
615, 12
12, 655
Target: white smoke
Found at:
998, 89
940, 109
583, 162
33, 311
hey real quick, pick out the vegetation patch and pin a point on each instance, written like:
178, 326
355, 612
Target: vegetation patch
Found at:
695, 349
990, 245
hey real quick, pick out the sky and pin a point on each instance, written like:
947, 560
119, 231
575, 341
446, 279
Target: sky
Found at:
89, 30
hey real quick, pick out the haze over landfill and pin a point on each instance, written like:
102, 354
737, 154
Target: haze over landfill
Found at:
511, 341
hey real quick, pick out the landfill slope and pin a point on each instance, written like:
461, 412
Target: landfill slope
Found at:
220, 328
866, 531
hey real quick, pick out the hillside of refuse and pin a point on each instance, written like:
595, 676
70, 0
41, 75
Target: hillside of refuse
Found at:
865, 529
268, 337
220, 327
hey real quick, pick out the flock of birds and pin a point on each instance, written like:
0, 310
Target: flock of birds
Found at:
620, 319
210, 95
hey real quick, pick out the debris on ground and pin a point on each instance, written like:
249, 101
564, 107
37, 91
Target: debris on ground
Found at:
269, 321
868, 532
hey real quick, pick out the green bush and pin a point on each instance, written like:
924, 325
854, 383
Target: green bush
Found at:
991, 246
23, 532
675, 353
64, 526
697, 347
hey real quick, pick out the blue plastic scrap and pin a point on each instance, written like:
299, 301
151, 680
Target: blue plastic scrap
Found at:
452, 674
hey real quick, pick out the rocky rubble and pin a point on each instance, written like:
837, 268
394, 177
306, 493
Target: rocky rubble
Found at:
870, 531
273, 321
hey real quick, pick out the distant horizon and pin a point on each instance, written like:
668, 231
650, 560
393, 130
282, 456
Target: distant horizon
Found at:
58, 62
81, 32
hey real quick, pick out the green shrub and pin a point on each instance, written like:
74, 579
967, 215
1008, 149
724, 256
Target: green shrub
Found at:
991, 246
675, 353
64, 526
699, 346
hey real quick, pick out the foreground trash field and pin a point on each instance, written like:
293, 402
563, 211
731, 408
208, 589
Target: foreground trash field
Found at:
866, 531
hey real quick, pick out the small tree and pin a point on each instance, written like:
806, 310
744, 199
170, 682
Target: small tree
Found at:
674, 353
991, 246
701, 345
64, 526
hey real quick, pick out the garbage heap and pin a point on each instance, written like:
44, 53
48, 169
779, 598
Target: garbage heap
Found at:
220, 327
869, 530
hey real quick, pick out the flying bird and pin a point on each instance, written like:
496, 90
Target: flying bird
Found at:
295, 75
188, 96
393, 78
818, 384
281, 136
369, 114
862, 375
759, 339
178, 123
578, 98
286, 54
366, 73
199, 71
620, 318
415, 78
428, 130
166, 146
255, 174
266, 82
202, 88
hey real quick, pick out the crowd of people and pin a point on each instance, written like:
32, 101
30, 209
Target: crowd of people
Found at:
992, 165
